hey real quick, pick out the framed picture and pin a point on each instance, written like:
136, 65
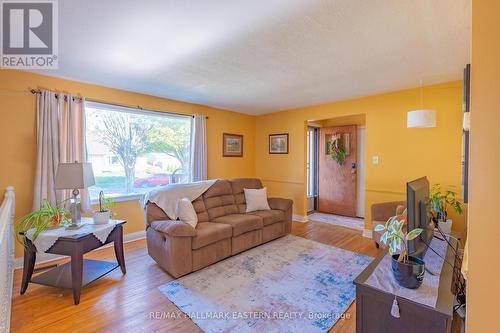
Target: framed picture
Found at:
278, 143
232, 145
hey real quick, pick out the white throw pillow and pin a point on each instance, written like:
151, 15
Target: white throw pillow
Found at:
256, 199
186, 212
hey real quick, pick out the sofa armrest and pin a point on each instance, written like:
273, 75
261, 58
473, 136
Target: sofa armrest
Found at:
383, 211
280, 203
174, 228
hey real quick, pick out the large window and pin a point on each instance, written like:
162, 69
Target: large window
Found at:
132, 151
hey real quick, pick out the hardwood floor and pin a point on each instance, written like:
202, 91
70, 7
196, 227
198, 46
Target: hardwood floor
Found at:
126, 303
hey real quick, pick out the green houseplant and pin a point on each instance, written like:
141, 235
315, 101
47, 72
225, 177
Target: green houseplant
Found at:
407, 270
440, 201
104, 213
336, 149
46, 217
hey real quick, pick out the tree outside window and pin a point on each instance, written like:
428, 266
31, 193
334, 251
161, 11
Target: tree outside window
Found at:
151, 149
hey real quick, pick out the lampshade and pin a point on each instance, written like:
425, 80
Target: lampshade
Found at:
421, 119
74, 176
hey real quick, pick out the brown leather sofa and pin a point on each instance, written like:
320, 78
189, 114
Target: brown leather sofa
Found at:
223, 229
381, 212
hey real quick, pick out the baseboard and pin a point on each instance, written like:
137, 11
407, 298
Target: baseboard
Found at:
367, 233
47, 257
299, 218
133, 236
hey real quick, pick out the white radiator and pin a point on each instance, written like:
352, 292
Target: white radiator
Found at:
6, 258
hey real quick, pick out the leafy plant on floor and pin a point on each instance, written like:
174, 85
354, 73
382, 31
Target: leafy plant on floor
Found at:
395, 237
440, 200
48, 216
336, 149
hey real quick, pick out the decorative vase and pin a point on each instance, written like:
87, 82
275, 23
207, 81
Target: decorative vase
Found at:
409, 275
101, 217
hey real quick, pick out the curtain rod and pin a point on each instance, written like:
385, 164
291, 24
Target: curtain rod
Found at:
138, 107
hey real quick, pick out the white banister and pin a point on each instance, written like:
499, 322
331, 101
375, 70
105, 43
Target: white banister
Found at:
6, 257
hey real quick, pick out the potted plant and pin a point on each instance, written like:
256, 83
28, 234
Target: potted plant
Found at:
104, 213
336, 149
48, 216
440, 201
407, 270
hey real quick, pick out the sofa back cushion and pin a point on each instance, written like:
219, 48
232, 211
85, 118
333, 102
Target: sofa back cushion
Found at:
239, 196
201, 211
219, 199
155, 213
224, 197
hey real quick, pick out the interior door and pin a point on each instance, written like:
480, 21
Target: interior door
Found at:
337, 182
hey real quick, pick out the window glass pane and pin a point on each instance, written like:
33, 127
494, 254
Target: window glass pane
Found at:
310, 157
132, 152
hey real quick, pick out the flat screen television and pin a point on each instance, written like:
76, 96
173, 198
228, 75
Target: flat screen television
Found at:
418, 216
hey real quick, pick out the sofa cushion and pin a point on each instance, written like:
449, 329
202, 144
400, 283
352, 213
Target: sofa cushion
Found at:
220, 187
201, 211
238, 186
186, 212
270, 216
256, 199
219, 200
241, 223
154, 213
173, 228
208, 233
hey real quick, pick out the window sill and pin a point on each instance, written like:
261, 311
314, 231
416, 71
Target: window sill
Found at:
121, 198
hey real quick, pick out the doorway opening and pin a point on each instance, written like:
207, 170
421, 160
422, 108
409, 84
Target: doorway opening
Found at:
335, 169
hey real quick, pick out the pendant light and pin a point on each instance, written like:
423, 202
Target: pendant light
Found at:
422, 118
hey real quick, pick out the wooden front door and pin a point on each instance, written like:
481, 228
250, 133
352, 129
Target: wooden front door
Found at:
337, 183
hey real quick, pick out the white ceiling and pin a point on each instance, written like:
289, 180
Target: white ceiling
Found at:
260, 56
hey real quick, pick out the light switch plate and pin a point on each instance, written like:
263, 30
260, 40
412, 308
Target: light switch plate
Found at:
375, 159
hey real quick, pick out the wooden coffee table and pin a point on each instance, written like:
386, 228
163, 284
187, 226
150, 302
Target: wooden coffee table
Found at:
78, 272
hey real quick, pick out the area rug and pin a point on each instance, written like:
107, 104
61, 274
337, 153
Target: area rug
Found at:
342, 221
291, 284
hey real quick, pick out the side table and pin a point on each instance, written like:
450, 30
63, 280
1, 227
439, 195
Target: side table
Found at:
78, 272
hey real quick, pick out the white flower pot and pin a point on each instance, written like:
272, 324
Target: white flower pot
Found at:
102, 217
446, 226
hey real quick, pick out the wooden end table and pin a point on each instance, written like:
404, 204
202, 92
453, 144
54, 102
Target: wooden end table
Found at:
78, 272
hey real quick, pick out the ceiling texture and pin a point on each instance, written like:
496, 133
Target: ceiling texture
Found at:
261, 56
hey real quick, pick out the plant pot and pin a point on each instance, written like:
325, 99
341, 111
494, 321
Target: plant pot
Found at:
409, 275
102, 217
445, 227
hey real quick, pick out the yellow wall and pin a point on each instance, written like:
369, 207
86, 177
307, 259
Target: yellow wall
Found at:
386, 135
355, 119
483, 289
404, 153
18, 135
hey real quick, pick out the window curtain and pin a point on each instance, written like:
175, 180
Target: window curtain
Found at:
199, 148
60, 139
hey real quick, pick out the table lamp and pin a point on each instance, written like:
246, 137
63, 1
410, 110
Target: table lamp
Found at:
74, 176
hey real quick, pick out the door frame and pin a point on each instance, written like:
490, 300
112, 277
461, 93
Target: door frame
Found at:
361, 166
